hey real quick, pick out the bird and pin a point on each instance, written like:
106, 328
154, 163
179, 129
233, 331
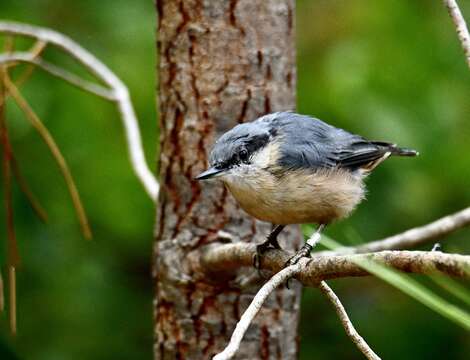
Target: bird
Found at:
287, 168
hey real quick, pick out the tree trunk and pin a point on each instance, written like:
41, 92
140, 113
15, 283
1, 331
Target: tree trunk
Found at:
220, 63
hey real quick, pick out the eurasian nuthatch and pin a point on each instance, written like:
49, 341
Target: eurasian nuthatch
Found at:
287, 168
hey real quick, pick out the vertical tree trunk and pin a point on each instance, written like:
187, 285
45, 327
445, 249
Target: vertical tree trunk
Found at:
220, 63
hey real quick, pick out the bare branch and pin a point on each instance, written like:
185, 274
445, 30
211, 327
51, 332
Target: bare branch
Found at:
59, 72
104, 74
36, 50
328, 265
229, 257
250, 313
12, 245
460, 26
279, 278
357, 339
413, 237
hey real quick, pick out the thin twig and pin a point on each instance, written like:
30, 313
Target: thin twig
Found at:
460, 26
104, 74
36, 50
9, 44
12, 248
357, 339
42, 130
413, 237
33, 201
259, 299
12, 302
13, 256
59, 72
253, 309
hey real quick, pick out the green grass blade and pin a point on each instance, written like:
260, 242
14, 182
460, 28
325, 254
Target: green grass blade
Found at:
410, 287
453, 287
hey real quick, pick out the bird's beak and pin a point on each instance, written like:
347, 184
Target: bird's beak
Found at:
209, 173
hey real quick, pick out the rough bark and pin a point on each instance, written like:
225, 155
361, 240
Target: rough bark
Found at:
220, 63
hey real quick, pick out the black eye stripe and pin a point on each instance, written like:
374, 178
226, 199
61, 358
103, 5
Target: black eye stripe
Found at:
236, 150
256, 142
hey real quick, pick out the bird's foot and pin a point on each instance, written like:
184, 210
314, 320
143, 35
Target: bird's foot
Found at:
303, 252
261, 249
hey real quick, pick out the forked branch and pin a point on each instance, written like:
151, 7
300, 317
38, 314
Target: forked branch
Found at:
253, 309
279, 278
332, 264
114, 90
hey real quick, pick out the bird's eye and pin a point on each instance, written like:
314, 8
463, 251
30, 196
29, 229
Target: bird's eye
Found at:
243, 155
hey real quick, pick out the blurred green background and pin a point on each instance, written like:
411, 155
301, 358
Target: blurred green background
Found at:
389, 69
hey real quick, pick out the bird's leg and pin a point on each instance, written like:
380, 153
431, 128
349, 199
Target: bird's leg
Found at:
308, 246
305, 250
270, 243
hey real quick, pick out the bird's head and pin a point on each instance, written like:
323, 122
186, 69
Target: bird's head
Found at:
240, 150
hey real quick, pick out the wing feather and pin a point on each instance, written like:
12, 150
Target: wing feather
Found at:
307, 142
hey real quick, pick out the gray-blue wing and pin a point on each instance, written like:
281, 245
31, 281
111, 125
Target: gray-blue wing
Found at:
311, 143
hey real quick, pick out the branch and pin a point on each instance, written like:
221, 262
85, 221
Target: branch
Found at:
36, 50
229, 257
408, 239
250, 313
59, 72
217, 258
279, 278
347, 324
460, 26
413, 237
119, 92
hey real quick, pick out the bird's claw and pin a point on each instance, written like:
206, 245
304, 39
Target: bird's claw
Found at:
260, 250
303, 252
299, 255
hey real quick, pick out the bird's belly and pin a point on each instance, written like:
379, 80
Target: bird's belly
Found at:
299, 197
